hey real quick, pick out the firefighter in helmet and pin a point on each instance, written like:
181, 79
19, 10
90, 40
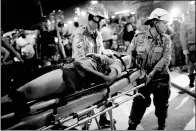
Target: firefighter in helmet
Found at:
87, 38
154, 48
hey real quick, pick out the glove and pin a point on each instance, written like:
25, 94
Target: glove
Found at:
186, 52
149, 77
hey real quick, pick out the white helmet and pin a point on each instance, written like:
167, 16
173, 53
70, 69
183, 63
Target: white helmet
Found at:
98, 10
159, 14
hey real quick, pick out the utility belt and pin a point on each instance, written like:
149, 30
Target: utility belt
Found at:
159, 75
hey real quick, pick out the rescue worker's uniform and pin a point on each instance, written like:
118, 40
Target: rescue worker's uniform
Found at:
86, 41
187, 38
156, 55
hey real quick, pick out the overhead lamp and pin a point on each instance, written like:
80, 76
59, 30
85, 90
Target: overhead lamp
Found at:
94, 2
77, 11
175, 12
69, 22
113, 17
75, 18
121, 12
83, 13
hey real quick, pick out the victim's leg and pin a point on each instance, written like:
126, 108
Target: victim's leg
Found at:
48, 84
27, 75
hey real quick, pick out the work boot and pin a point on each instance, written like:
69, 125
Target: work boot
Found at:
160, 128
132, 127
161, 124
103, 122
191, 77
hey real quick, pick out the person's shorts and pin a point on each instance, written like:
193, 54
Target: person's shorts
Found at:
72, 78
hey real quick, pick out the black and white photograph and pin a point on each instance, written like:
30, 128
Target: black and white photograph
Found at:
98, 65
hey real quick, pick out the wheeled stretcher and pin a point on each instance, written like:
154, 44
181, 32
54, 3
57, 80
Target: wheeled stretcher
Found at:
53, 113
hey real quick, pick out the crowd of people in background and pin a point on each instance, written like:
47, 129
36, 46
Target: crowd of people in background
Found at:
52, 43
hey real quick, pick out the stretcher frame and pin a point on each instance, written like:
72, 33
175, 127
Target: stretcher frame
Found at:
110, 105
57, 122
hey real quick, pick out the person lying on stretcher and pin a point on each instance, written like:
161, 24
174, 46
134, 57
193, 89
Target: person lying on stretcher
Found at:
69, 78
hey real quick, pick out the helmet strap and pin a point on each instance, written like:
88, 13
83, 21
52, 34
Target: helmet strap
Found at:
90, 17
98, 23
154, 37
157, 29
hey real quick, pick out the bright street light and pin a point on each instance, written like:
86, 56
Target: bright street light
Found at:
94, 2
175, 12
69, 22
113, 17
83, 13
75, 18
77, 11
122, 12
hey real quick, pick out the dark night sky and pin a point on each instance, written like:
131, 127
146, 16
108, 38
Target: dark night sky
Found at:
25, 13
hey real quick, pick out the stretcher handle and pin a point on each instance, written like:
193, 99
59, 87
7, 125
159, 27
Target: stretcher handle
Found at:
136, 87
